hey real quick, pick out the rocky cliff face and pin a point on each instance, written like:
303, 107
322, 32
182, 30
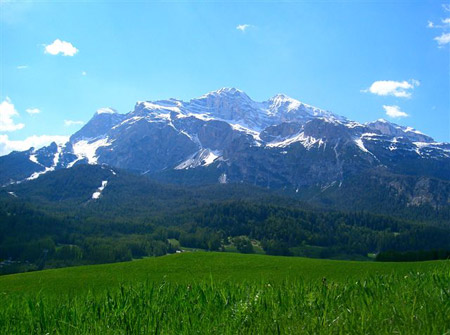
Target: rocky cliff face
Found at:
225, 136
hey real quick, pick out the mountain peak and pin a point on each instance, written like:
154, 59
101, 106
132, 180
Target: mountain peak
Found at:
392, 129
381, 121
282, 99
102, 121
227, 92
280, 141
281, 96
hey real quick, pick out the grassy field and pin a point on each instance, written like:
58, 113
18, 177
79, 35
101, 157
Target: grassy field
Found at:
201, 266
225, 293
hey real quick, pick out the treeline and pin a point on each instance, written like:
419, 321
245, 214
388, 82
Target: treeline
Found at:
93, 250
33, 240
412, 256
42, 239
282, 230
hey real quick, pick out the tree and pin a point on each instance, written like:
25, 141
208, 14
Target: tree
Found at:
243, 244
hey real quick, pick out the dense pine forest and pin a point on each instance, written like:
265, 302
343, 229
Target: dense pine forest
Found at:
43, 230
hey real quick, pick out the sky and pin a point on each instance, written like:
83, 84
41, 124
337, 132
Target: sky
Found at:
63, 60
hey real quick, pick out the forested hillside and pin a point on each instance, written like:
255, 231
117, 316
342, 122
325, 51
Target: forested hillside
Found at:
55, 221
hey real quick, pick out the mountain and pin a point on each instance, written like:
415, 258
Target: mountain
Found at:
113, 195
88, 186
226, 137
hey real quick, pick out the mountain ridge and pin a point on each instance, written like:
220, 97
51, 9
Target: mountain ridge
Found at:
224, 136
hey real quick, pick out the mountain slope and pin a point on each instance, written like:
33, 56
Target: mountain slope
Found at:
226, 137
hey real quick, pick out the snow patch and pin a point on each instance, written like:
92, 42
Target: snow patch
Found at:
221, 91
85, 149
56, 157
370, 135
201, 116
99, 191
281, 100
422, 147
131, 120
212, 156
203, 157
223, 178
353, 124
359, 142
13, 194
307, 141
423, 144
34, 159
360, 145
253, 133
71, 164
155, 106
412, 130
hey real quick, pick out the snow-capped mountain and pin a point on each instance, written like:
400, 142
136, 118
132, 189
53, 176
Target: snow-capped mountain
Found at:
225, 136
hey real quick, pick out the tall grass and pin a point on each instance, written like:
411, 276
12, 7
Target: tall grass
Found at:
415, 303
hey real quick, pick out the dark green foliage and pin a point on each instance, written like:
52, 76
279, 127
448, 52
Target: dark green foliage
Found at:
281, 228
202, 238
412, 256
69, 252
54, 221
61, 239
275, 247
30, 236
243, 244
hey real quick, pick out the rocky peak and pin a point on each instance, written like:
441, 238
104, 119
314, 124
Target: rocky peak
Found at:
102, 121
223, 97
394, 130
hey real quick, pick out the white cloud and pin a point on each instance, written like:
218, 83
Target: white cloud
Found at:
83, 73
399, 89
61, 47
36, 141
394, 111
22, 67
69, 123
445, 24
33, 111
243, 27
106, 110
443, 39
7, 112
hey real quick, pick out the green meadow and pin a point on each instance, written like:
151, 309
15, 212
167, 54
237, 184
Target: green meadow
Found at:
226, 293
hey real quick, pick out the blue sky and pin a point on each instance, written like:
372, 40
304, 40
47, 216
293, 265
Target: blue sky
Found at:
357, 59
